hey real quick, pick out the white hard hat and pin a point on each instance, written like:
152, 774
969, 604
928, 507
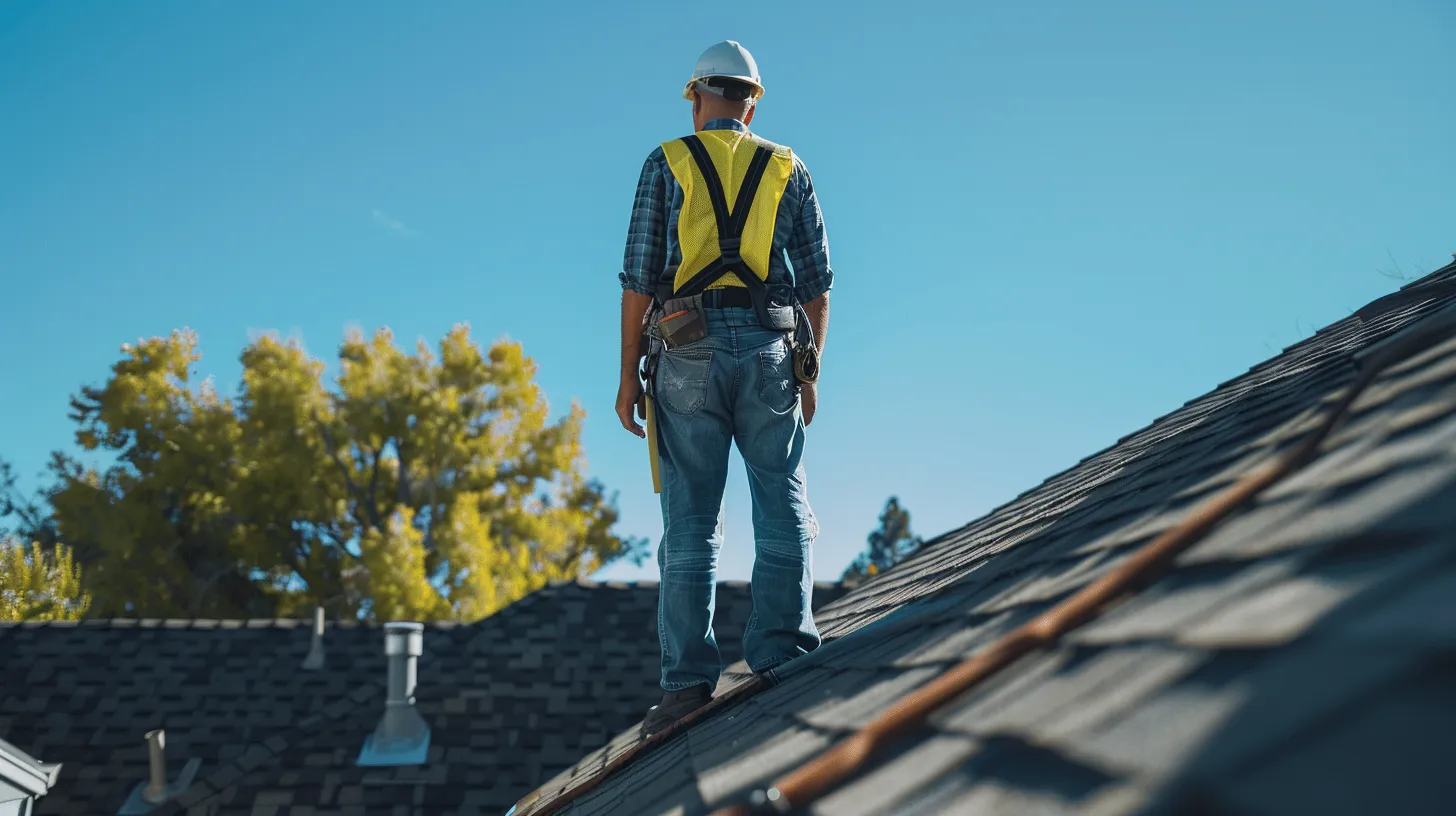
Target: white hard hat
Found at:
728, 60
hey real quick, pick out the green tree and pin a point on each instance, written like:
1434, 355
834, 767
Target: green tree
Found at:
887, 546
28, 512
36, 588
419, 486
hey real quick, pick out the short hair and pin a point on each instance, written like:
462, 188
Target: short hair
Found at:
732, 90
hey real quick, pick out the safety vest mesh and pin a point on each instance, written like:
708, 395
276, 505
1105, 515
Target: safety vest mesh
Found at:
697, 231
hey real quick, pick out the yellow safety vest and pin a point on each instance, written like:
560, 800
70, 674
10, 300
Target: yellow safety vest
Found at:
732, 183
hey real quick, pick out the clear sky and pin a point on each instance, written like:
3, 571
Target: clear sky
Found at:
1050, 223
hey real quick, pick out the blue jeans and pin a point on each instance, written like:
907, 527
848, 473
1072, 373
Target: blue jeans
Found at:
736, 385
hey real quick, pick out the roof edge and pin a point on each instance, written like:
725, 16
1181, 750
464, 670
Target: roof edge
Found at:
303, 623
587, 583
26, 772
211, 624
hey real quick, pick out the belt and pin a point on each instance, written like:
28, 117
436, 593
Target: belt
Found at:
728, 297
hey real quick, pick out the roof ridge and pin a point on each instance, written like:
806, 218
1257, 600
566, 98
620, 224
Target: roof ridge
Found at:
1434, 285
209, 623
1449, 270
226, 624
588, 583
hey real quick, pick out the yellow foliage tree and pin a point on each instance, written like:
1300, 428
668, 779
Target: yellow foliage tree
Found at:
35, 588
419, 487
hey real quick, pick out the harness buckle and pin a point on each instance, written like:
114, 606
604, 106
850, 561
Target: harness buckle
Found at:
728, 249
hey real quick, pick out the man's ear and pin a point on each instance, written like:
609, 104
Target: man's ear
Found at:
748, 120
697, 104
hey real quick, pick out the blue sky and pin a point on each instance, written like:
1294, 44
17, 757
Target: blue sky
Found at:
1050, 223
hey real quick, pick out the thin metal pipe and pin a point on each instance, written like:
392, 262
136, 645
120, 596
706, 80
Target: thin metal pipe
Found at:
156, 790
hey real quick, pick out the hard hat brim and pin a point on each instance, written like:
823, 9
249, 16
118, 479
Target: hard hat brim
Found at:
747, 80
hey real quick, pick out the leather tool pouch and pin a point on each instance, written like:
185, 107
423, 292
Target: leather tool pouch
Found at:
682, 322
774, 304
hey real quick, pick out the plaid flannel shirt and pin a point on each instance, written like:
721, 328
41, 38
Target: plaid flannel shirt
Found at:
652, 248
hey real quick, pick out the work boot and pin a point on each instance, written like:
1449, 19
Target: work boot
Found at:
674, 706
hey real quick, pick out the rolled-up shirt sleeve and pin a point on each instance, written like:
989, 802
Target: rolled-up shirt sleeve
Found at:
646, 254
808, 247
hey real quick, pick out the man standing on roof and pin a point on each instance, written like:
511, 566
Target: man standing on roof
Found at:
734, 332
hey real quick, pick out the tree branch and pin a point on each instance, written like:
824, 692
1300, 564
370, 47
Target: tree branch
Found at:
354, 490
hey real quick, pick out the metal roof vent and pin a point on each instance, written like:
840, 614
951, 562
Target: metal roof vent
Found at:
402, 736
147, 795
315, 659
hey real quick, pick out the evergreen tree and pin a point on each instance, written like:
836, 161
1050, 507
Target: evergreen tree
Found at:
887, 546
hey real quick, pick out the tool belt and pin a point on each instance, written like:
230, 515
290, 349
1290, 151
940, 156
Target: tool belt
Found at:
678, 319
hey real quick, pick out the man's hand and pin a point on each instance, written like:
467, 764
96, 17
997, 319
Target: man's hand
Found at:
818, 312
629, 394
629, 387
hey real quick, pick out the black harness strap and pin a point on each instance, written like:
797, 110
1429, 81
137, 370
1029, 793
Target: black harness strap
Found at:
744, 202
730, 225
715, 184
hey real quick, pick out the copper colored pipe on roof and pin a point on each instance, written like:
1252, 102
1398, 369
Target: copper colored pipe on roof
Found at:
813, 779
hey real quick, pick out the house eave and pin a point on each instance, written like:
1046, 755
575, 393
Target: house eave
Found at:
26, 772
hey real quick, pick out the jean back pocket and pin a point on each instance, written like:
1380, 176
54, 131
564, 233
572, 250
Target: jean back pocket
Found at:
682, 379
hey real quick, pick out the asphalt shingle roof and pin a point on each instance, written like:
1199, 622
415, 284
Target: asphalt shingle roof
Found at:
511, 700
1301, 657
